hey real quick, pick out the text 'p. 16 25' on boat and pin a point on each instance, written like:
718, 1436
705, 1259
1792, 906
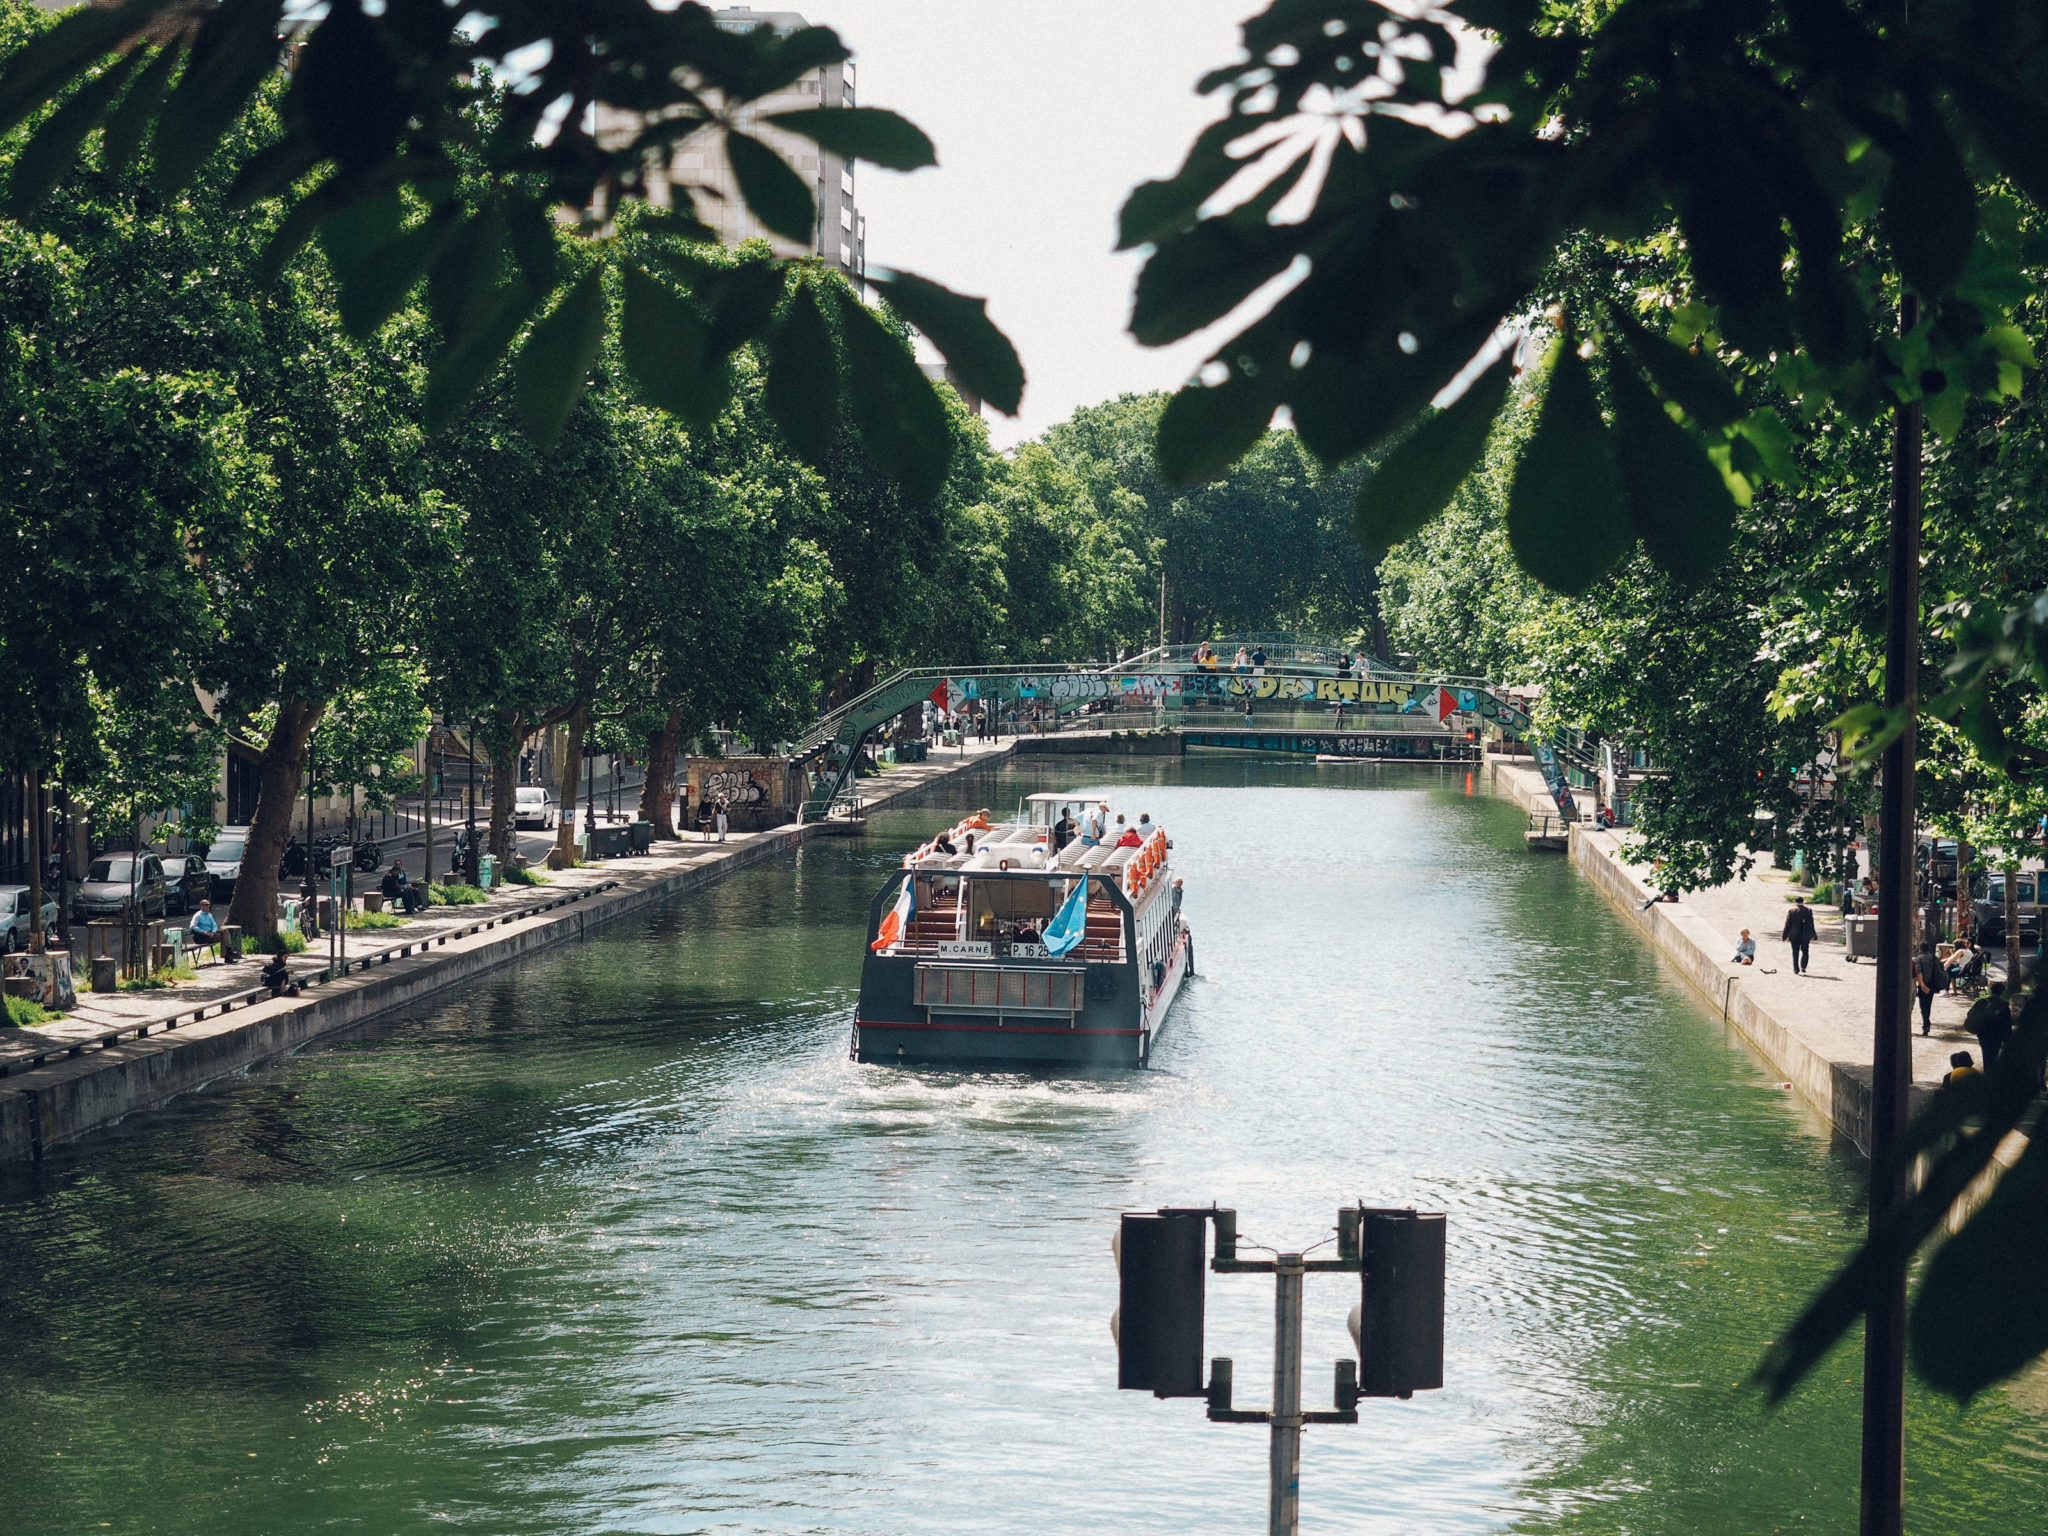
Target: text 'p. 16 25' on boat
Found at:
1053, 941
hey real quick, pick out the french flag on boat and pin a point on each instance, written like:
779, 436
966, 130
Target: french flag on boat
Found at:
897, 923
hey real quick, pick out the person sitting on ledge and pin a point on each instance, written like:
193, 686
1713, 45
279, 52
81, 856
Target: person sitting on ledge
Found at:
1961, 1070
278, 977
1745, 951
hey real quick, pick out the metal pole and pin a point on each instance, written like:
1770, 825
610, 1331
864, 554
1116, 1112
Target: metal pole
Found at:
1284, 1505
1884, 1339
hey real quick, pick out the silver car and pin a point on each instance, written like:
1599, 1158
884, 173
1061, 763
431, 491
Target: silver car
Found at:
113, 880
14, 918
224, 861
533, 806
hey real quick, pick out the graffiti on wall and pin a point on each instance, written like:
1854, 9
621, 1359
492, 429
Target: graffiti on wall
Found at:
735, 786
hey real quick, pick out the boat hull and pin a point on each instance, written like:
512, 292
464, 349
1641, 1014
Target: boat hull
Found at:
1105, 1035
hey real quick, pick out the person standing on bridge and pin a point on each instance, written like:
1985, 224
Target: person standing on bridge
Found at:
1798, 932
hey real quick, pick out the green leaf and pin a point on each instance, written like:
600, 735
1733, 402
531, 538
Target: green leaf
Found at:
901, 418
960, 328
1159, 208
1977, 1318
1676, 499
1695, 381
1347, 404
299, 226
873, 134
1197, 277
127, 123
1207, 428
347, 85
54, 149
469, 358
1418, 479
1929, 215
554, 365
1567, 522
662, 338
234, 53
771, 188
377, 263
37, 72
802, 393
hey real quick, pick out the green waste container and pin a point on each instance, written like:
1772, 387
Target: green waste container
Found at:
489, 871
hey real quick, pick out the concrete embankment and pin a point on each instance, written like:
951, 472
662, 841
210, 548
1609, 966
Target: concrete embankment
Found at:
1813, 1030
65, 1098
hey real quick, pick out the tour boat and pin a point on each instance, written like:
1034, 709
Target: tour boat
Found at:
1018, 954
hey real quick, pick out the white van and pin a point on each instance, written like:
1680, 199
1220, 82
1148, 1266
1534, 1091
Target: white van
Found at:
533, 806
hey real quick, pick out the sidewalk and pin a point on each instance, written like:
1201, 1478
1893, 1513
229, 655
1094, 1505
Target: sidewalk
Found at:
1814, 1030
184, 1036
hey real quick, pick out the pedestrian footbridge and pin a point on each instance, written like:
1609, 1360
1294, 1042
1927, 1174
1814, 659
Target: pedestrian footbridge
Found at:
1303, 699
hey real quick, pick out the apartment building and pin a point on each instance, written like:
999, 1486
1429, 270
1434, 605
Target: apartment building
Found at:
700, 164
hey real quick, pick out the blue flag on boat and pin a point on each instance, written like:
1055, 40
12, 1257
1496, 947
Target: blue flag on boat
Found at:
1070, 924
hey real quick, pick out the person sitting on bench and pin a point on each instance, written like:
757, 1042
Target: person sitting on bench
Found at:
203, 932
400, 891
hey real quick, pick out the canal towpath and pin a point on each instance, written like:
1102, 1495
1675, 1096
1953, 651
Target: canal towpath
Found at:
1812, 1030
119, 1053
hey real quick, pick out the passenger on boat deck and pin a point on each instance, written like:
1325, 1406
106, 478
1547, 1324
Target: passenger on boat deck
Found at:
1063, 830
1130, 839
979, 820
1027, 933
943, 843
1091, 828
970, 845
1145, 827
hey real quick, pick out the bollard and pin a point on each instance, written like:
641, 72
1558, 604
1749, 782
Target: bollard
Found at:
105, 973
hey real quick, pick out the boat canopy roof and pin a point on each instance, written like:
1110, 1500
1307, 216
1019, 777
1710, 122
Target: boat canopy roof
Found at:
1028, 854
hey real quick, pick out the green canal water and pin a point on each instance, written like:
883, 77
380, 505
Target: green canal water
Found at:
620, 1241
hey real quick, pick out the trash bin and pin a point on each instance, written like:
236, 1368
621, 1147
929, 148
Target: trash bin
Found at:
1861, 935
643, 836
487, 872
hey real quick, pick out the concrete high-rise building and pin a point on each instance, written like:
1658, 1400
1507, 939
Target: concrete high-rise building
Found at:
700, 164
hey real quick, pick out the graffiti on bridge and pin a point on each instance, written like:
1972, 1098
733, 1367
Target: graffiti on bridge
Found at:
1404, 748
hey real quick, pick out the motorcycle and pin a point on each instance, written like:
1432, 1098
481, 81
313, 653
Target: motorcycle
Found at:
369, 857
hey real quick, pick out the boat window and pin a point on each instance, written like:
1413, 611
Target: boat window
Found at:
1009, 901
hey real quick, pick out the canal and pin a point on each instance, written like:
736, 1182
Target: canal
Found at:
620, 1241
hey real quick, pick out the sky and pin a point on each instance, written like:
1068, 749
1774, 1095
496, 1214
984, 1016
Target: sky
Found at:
1046, 113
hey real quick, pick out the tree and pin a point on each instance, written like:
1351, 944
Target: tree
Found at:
401, 149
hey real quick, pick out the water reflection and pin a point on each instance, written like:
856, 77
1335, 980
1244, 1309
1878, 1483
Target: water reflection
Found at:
621, 1241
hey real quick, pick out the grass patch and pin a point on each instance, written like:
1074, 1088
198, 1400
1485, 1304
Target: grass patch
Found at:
458, 895
527, 877
374, 920
156, 981
24, 1013
279, 944
1825, 894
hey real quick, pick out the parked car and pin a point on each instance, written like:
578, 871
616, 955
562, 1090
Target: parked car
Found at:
113, 879
185, 882
1989, 906
15, 918
224, 862
533, 806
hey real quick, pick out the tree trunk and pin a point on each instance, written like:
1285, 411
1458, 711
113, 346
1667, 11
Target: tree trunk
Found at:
2012, 927
1966, 909
572, 770
504, 778
657, 795
38, 941
254, 909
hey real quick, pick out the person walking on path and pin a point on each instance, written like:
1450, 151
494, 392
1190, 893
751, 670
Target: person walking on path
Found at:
1929, 977
1799, 934
1990, 1021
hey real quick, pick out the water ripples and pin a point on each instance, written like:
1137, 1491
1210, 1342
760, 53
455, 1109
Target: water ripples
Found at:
620, 1240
